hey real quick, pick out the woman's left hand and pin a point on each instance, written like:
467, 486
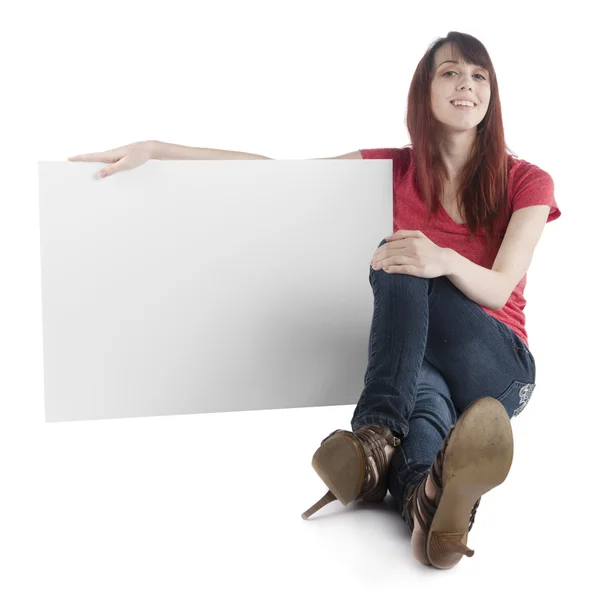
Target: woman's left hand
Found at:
412, 253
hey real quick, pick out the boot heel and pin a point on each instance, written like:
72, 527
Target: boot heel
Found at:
326, 499
353, 465
340, 464
443, 548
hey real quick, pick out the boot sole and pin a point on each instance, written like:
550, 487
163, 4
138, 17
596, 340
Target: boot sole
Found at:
477, 459
340, 463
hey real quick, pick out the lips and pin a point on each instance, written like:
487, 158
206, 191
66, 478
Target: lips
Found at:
462, 108
463, 99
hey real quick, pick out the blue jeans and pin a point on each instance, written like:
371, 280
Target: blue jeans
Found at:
432, 352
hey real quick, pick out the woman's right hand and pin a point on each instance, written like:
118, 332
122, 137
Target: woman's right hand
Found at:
122, 158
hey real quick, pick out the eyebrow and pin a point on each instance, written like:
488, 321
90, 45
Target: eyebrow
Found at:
456, 63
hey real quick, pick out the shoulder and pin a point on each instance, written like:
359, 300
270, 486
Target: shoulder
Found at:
522, 172
530, 185
399, 154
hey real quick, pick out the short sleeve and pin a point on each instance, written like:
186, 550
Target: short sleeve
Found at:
535, 186
400, 159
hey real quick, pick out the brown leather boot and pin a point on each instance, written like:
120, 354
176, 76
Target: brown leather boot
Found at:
475, 457
354, 465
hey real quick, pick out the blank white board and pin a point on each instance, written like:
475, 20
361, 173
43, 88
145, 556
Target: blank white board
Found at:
184, 287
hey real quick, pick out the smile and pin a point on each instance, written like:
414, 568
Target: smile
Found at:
462, 106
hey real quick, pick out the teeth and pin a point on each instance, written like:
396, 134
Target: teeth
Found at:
462, 103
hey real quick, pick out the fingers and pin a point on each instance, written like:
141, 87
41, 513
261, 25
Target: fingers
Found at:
108, 156
93, 157
118, 166
116, 156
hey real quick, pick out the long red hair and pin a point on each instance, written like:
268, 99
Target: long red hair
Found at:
483, 183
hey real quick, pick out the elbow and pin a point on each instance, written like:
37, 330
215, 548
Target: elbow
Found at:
504, 292
501, 304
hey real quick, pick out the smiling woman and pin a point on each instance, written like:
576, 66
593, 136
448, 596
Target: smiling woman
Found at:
448, 358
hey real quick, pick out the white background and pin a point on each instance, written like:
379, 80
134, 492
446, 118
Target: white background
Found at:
209, 505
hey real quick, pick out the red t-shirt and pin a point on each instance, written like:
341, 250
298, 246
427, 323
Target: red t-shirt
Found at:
528, 185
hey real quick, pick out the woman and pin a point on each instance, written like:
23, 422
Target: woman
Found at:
449, 363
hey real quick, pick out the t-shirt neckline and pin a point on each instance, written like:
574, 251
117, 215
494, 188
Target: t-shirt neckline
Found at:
449, 218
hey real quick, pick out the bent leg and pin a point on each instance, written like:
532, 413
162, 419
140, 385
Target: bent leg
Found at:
396, 348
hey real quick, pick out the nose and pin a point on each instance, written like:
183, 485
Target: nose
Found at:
466, 84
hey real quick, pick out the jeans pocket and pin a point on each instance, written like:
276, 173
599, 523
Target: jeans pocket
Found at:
516, 397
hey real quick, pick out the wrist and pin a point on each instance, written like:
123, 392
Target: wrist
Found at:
449, 260
152, 146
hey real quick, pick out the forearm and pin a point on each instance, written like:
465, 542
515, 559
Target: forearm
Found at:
484, 286
166, 151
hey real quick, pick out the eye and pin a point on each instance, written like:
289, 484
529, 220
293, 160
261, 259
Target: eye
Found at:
477, 74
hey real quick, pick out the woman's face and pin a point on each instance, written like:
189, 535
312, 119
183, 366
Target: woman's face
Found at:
458, 80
